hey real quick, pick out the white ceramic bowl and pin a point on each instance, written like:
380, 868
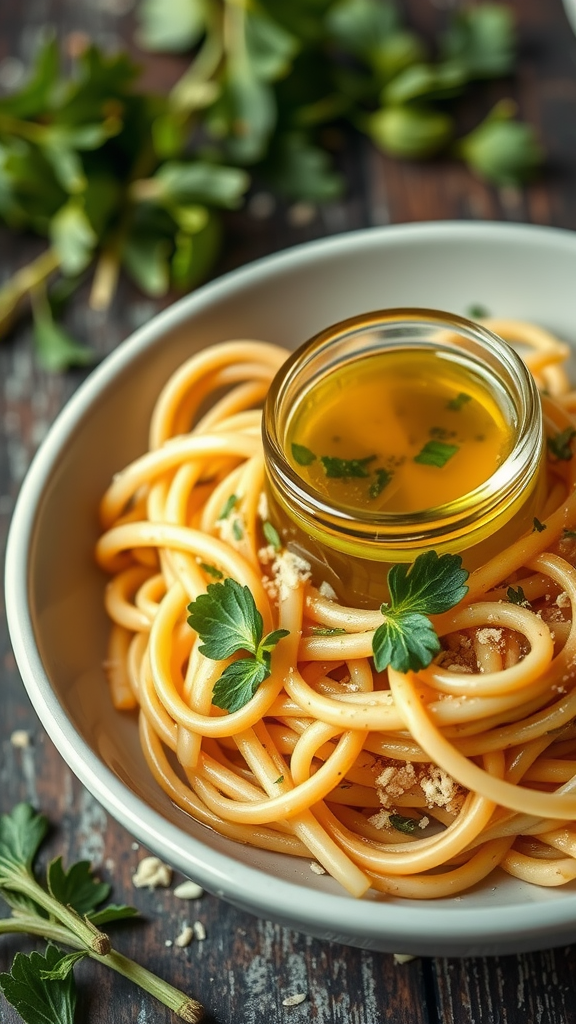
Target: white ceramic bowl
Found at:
54, 591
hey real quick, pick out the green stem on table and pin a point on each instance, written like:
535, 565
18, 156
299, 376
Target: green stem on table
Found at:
195, 88
23, 282
90, 936
187, 1009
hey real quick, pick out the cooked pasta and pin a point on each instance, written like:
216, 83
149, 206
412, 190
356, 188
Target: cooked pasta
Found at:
418, 785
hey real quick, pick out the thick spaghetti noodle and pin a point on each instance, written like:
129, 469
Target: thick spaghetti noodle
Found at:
417, 785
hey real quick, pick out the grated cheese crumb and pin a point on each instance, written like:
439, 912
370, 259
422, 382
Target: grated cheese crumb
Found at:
231, 526
263, 508
294, 1000
289, 571
317, 868
168, 943
267, 555
423, 822
20, 739
489, 636
152, 872
199, 931
325, 590
438, 787
563, 600
188, 891
459, 669
185, 937
381, 819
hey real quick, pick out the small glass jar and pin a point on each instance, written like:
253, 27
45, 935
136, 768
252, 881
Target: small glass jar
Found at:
352, 549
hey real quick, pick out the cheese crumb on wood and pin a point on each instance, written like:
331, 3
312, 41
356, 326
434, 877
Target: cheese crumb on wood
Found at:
185, 937
403, 958
294, 1000
152, 872
188, 890
20, 739
199, 931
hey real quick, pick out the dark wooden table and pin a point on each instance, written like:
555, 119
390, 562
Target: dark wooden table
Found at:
246, 967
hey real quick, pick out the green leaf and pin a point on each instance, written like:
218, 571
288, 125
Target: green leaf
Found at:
406, 641
436, 453
73, 237
226, 619
270, 640
146, 258
113, 912
427, 82
411, 133
382, 478
238, 683
361, 25
251, 114
517, 597
67, 167
345, 469
202, 182
76, 887
538, 527
402, 824
211, 570
458, 402
483, 39
64, 966
21, 833
230, 504
270, 47
35, 97
396, 52
171, 27
38, 1001
299, 170
560, 445
56, 349
503, 151
302, 455
431, 585
272, 536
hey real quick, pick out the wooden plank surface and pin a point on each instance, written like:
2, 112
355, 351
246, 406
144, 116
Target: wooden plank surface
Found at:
245, 967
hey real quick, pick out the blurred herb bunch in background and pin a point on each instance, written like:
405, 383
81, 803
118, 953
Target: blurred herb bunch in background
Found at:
115, 177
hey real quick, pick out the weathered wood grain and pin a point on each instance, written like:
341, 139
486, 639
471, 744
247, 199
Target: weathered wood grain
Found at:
245, 967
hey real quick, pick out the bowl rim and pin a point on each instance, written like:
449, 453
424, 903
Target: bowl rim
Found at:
403, 926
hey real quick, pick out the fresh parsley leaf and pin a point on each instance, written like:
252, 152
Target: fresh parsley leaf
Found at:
64, 967
229, 504
238, 683
21, 833
345, 469
76, 887
406, 640
382, 478
302, 455
272, 536
431, 585
278, 780
560, 444
402, 824
113, 912
538, 526
455, 404
327, 631
517, 597
212, 570
226, 619
37, 1001
237, 529
436, 453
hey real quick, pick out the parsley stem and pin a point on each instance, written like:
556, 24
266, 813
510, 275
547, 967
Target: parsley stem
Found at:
23, 282
90, 936
187, 1009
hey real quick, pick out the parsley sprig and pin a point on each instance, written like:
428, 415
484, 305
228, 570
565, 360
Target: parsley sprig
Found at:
66, 909
227, 621
406, 640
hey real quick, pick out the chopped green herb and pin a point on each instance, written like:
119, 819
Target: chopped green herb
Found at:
237, 530
402, 824
345, 469
302, 455
406, 640
279, 780
477, 312
455, 404
212, 570
436, 453
538, 526
272, 536
327, 631
227, 621
517, 597
560, 445
229, 504
382, 478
